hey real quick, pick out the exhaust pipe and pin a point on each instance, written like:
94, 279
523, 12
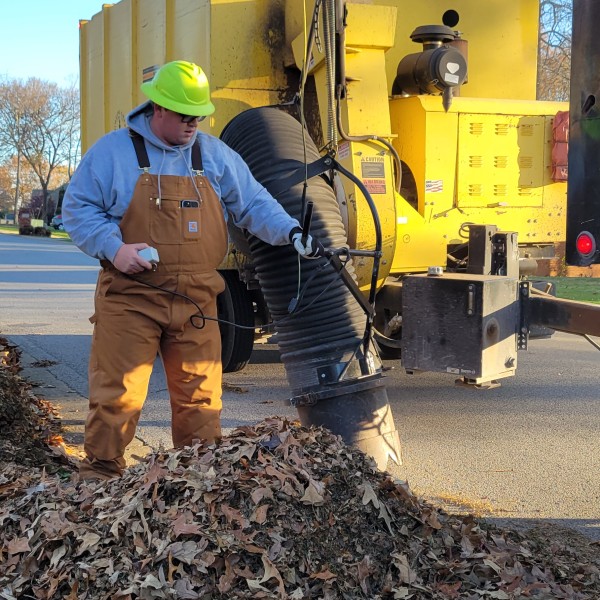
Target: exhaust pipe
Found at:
335, 382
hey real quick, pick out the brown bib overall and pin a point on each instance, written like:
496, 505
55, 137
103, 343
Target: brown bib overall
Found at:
134, 322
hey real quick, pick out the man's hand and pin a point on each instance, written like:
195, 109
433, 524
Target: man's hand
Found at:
128, 261
311, 248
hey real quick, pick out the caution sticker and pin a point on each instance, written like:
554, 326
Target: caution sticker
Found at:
372, 167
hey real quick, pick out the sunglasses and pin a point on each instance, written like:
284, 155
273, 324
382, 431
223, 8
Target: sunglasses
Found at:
187, 119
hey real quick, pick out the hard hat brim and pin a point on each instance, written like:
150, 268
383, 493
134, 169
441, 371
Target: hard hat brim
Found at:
203, 110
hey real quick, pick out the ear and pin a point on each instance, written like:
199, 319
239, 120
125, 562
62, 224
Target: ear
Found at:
159, 111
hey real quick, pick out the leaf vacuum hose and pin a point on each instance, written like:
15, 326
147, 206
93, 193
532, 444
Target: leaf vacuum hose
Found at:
335, 384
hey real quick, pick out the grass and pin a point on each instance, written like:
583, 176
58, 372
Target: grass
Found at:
583, 289
13, 229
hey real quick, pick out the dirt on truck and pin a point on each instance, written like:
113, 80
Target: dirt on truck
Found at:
274, 511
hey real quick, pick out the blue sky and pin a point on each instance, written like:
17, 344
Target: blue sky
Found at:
40, 38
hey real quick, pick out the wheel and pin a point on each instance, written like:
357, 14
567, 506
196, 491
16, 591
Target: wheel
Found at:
235, 305
61, 227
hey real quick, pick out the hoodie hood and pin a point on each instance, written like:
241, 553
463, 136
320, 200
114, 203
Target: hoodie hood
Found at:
139, 120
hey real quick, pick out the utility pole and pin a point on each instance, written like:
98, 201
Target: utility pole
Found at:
18, 181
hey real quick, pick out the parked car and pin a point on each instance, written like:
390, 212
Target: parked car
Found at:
57, 222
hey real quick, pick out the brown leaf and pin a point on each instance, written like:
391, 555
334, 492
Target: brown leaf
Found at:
364, 570
369, 495
181, 526
324, 575
18, 545
260, 514
312, 494
260, 493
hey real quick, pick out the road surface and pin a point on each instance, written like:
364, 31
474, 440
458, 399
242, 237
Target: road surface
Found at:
526, 451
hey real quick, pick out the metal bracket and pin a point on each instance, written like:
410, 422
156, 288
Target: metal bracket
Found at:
311, 398
524, 314
355, 368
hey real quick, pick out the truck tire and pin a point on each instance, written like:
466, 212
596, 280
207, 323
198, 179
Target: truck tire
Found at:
235, 305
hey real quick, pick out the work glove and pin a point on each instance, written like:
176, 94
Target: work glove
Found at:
311, 248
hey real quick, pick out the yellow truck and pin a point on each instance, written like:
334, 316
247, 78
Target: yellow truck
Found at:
412, 131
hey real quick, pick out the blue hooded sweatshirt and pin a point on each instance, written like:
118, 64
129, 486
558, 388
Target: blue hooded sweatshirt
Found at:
102, 186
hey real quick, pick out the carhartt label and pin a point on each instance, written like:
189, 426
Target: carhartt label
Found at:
193, 226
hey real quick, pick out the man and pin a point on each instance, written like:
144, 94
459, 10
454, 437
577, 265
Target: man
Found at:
161, 184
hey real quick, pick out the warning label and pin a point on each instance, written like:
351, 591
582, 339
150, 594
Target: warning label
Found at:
375, 186
372, 167
343, 150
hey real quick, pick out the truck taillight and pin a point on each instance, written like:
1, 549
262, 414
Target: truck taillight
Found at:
585, 244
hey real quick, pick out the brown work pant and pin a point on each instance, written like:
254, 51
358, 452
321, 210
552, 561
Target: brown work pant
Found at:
133, 323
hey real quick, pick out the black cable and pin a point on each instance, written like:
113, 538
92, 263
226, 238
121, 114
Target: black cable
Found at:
200, 315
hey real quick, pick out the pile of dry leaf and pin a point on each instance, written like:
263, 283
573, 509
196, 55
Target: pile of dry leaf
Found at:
28, 424
274, 511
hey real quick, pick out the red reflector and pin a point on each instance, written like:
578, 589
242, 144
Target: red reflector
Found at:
585, 243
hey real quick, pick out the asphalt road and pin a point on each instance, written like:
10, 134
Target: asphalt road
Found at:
524, 452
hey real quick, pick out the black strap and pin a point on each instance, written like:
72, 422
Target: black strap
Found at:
141, 153
197, 156
299, 174
140, 149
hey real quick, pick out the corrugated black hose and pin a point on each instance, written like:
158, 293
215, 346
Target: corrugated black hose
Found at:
334, 382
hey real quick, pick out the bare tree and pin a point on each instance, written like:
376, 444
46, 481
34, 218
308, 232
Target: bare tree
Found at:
28, 180
554, 49
39, 122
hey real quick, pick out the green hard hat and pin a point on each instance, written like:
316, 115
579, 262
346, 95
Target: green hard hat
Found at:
182, 87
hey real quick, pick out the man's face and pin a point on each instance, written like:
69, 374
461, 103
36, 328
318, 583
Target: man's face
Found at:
173, 128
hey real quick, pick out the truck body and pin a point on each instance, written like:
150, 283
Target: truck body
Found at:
487, 159
448, 186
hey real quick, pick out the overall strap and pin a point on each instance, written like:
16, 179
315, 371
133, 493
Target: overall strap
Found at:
140, 149
142, 154
197, 156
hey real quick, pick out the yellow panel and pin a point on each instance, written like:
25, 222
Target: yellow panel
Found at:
502, 36
191, 33
501, 160
248, 43
370, 26
372, 165
418, 245
119, 56
502, 40
151, 32
504, 148
93, 82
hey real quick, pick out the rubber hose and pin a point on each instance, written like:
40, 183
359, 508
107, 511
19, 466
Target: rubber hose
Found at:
330, 324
